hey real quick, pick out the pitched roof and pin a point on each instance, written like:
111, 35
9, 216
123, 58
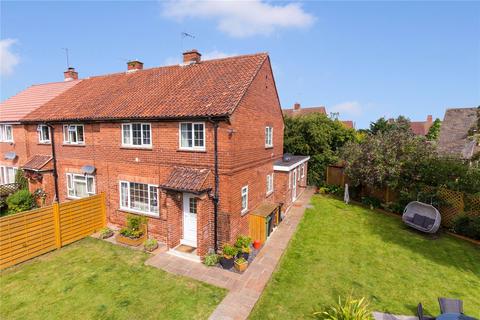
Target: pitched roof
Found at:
303, 111
187, 179
420, 128
207, 88
454, 138
38, 162
348, 123
15, 108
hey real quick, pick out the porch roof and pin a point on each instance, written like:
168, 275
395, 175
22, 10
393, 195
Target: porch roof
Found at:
38, 162
289, 162
264, 209
187, 180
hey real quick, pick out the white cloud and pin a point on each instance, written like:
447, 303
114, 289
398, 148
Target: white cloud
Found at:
242, 18
8, 59
214, 54
349, 108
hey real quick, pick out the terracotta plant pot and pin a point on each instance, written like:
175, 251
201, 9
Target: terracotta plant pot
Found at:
257, 244
227, 263
241, 266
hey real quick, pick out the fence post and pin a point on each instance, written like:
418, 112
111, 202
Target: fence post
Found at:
56, 217
327, 175
104, 209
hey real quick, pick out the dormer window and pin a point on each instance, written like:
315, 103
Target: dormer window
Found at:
43, 134
73, 134
138, 135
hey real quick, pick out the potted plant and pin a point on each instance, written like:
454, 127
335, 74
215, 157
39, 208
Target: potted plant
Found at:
228, 256
211, 259
243, 244
150, 245
241, 264
135, 233
106, 233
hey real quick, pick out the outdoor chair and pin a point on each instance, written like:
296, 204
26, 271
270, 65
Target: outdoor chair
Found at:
450, 305
420, 313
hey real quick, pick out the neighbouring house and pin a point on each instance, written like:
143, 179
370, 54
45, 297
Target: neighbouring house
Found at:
14, 142
299, 111
460, 133
197, 148
421, 128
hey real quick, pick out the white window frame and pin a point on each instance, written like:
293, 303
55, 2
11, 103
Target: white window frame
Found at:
268, 137
298, 173
289, 180
130, 144
4, 174
129, 208
269, 184
193, 147
82, 178
244, 194
3, 133
41, 134
66, 134
302, 171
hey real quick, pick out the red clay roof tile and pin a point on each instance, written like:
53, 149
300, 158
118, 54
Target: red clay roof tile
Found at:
187, 179
37, 162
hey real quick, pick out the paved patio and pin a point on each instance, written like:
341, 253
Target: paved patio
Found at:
245, 289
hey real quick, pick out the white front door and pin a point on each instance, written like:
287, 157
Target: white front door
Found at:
294, 185
189, 220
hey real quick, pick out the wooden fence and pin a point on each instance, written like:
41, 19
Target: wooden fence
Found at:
29, 234
452, 203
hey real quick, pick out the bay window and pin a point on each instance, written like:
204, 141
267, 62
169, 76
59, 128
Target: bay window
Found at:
139, 197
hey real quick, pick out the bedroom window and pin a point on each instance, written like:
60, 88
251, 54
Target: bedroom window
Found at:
137, 135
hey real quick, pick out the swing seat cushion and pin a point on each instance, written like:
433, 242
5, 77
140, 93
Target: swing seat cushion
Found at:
419, 220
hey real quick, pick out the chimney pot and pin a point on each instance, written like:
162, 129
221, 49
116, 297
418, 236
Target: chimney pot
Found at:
70, 74
191, 56
296, 106
134, 65
429, 118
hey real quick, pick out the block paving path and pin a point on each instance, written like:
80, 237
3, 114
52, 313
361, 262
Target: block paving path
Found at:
244, 289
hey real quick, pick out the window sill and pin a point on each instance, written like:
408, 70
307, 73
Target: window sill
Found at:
269, 194
244, 212
44, 143
136, 147
140, 213
74, 145
191, 150
268, 147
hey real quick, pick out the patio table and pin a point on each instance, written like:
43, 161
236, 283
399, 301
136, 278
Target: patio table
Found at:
454, 316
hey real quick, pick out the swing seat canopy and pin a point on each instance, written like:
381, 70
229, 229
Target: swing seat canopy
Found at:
422, 216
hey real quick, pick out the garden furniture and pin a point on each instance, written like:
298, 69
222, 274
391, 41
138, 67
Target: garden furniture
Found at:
448, 305
454, 316
421, 216
420, 313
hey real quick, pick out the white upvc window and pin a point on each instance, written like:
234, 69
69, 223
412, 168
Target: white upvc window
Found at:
192, 136
289, 180
268, 137
137, 135
73, 134
80, 185
302, 170
7, 174
6, 133
269, 183
298, 173
43, 133
139, 197
244, 199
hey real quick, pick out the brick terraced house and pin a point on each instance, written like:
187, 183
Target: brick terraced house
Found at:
196, 148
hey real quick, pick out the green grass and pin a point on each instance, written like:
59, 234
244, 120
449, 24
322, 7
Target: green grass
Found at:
340, 250
93, 279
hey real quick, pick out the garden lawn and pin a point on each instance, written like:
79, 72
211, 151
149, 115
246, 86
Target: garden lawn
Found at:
340, 250
93, 279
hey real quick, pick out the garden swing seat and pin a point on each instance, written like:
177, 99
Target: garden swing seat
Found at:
421, 216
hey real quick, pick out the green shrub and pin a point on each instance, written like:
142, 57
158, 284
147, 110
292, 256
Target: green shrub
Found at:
372, 202
229, 251
106, 233
467, 226
134, 229
240, 260
211, 259
332, 189
21, 180
150, 244
243, 243
19, 201
395, 207
350, 309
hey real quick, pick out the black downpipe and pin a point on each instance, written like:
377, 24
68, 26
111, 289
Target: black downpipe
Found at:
215, 195
54, 159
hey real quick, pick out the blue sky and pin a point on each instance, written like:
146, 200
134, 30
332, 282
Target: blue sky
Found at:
362, 59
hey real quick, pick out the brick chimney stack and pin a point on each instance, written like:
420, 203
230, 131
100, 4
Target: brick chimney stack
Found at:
70, 74
134, 65
429, 118
296, 106
192, 56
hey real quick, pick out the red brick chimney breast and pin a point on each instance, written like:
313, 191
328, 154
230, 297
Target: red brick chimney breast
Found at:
296, 106
70, 74
134, 65
429, 118
192, 56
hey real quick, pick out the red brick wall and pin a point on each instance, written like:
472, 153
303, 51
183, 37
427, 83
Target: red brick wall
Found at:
19, 146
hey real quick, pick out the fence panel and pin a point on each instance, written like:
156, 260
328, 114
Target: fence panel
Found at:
29, 234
